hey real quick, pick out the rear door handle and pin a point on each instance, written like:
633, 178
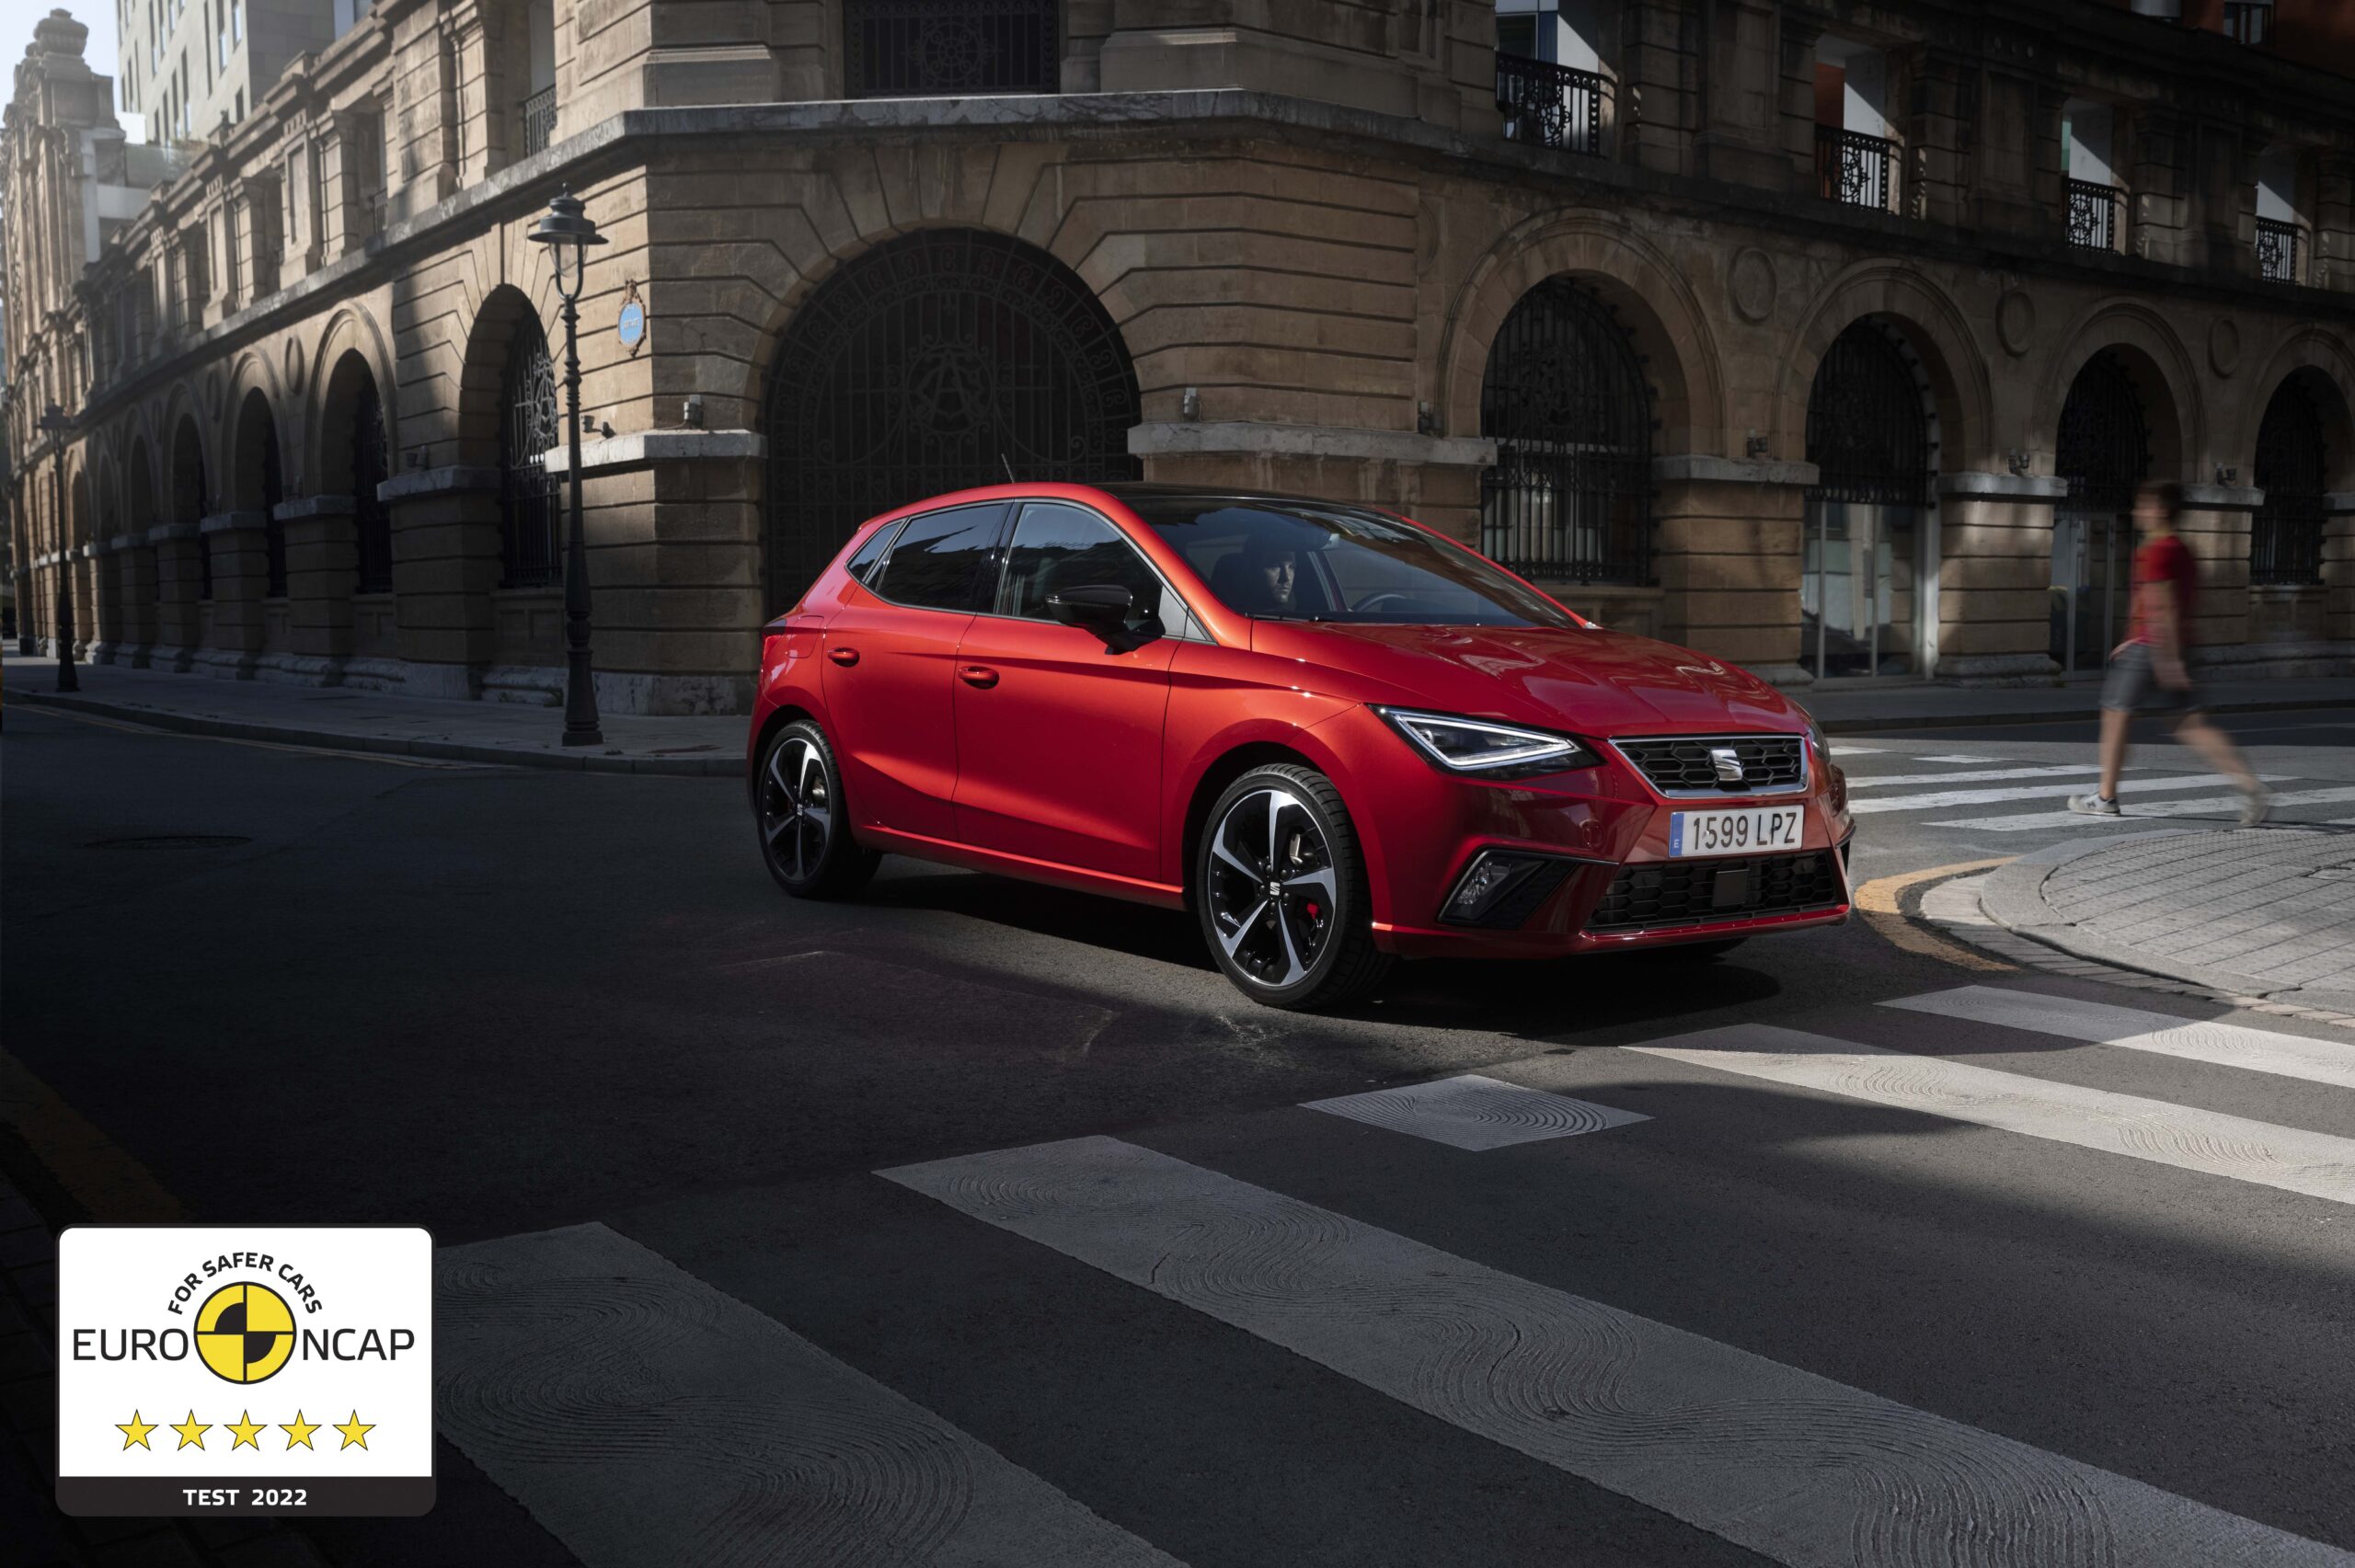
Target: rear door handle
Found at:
846, 657
980, 675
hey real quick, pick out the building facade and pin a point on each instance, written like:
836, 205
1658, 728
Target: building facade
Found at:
1832, 338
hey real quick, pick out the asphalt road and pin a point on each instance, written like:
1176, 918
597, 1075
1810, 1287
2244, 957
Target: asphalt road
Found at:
298, 986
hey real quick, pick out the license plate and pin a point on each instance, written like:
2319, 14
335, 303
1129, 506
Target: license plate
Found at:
1759, 828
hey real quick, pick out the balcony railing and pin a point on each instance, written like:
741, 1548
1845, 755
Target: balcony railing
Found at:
948, 47
539, 121
2277, 251
1852, 168
2094, 215
1548, 105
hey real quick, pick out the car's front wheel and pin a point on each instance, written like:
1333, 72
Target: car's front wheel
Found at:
798, 806
1280, 888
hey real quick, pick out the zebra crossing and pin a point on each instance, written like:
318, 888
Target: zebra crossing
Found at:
1431, 1246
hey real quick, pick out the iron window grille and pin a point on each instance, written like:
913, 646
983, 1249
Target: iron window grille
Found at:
371, 465
2105, 442
1852, 167
527, 496
2276, 250
2285, 536
947, 48
1547, 105
539, 121
1566, 399
2095, 215
1866, 430
273, 531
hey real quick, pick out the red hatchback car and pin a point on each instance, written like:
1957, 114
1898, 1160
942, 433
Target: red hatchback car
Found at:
1336, 735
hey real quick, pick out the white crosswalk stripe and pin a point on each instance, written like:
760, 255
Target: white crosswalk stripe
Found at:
2136, 1029
1959, 758
1982, 775
1801, 1468
1939, 799
2136, 809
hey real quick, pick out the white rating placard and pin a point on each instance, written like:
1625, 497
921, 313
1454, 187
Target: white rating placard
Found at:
244, 1369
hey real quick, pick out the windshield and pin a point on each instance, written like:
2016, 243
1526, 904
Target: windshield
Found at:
1300, 561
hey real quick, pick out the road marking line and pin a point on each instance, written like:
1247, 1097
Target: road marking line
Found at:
2034, 792
1976, 777
1961, 758
1845, 750
96, 1172
1792, 1465
644, 1416
2137, 810
1878, 902
2185, 1136
1476, 1113
2138, 1029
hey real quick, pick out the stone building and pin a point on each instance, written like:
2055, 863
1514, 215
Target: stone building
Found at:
1828, 336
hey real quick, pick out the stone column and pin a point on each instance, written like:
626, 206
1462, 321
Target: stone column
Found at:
179, 617
240, 574
134, 574
106, 591
2338, 572
82, 562
2215, 524
1727, 550
445, 565
1995, 578
322, 564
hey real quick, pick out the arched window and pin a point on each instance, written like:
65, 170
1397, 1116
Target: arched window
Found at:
1564, 396
372, 520
2285, 537
945, 359
1869, 435
2103, 454
527, 433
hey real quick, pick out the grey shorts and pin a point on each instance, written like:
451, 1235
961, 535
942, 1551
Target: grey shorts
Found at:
2132, 685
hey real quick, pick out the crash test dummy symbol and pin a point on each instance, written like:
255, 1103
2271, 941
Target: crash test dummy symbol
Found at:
244, 1333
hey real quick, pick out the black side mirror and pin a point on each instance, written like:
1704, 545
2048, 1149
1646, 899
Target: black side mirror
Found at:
1099, 606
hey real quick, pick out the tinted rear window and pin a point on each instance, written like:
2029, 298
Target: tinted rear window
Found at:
941, 560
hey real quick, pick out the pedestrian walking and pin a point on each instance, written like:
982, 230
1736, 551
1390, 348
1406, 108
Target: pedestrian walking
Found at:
2147, 672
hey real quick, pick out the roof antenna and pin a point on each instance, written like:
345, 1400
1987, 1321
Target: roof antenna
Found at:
1010, 470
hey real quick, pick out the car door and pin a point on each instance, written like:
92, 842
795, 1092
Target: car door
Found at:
890, 656
1059, 730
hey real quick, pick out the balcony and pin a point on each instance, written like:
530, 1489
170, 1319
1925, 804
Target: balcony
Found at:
1547, 105
1852, 167
539, 121
2096, 219
2277, 251
950, 48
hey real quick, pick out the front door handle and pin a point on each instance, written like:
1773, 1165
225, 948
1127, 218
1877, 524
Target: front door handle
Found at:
980, 675
846, 657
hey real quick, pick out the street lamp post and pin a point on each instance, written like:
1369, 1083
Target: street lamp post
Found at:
54, 423
568, 233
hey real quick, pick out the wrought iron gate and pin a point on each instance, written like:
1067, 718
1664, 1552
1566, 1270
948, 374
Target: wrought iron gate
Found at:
2285, 539
1563, 395
372, 520
1869, 435
1865, 431
273, 531
945, 359
2104, 454
527, 495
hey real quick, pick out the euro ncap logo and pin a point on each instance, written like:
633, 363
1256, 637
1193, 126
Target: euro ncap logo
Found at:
244, 1333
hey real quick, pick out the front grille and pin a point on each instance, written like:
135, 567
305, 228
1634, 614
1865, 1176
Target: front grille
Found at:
1687, 892
1682, 764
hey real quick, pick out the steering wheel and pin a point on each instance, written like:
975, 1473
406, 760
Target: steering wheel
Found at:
1389, 598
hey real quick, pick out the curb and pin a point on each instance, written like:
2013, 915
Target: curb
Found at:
729, 765
2012, 897
1869, 725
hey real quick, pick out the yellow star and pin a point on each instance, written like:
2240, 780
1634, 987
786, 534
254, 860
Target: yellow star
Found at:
136, 1431
192, 1431
299, 1430
355, 1432
248, 1431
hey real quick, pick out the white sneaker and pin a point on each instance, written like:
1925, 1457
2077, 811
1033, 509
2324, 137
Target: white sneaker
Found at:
2093, 805
2257, 804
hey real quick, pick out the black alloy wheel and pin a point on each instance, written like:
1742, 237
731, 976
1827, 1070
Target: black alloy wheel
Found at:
1280, 888
798, 804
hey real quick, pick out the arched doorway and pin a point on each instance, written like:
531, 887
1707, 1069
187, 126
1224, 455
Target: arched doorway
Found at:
371, 459
2104, 456
188, 493
261, 485
1564, 399
2285, 538
1868, 434
528, 431
941, 360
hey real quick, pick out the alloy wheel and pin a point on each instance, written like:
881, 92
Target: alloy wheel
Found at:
1272, 890
797, 807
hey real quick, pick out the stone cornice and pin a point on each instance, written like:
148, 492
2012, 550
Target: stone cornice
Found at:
2003, 486
1707, 468
315, 506
229, 521
2222, 497
639, 448
2337, 501
171, 532
1156, 438
420, 482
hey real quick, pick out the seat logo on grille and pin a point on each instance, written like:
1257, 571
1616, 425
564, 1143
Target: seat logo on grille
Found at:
1727, 763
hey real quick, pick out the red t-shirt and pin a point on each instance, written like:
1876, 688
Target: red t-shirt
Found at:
2165, 559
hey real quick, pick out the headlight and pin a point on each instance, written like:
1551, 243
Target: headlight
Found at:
1484, 750
1815, 734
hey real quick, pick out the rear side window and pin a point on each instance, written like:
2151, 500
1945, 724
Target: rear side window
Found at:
941, 560
870, 555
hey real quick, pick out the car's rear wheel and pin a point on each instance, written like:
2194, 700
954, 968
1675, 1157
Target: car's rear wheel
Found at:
797, 803
1281, 890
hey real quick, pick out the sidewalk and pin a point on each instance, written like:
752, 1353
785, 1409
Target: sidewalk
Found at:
2266, 913
713, 745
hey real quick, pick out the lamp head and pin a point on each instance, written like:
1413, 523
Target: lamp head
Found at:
53, 420
567, 231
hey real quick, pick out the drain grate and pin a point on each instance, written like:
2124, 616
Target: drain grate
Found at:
171, 842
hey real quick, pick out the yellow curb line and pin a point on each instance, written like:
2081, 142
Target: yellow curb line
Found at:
1878, 902
99, 1173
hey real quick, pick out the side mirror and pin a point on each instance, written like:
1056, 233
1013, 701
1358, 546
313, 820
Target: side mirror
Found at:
1099, 607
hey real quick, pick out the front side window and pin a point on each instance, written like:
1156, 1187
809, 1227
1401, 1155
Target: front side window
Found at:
1057, 546
1300, 561
941, 560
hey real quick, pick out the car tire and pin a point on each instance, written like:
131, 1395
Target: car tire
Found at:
1310, 945
798, 815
